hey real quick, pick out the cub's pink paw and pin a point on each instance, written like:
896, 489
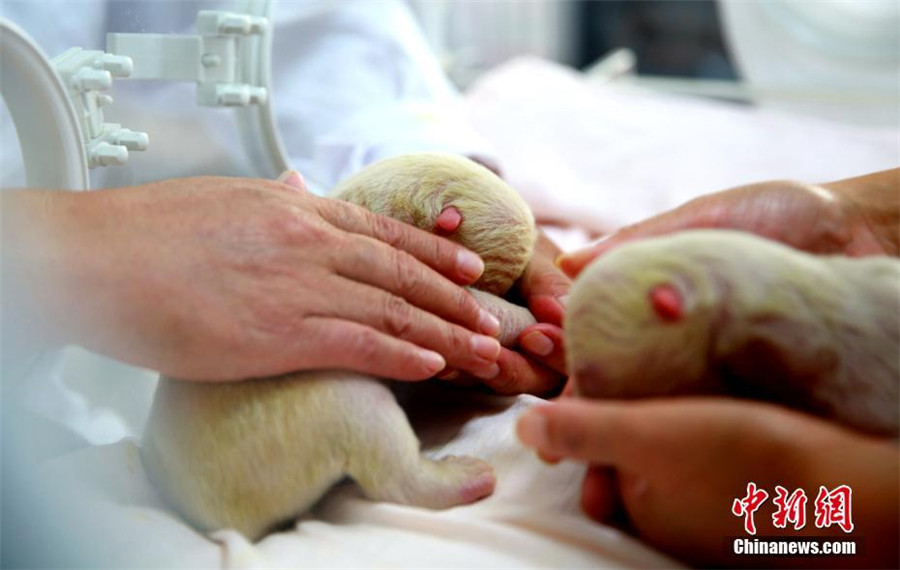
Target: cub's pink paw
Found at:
473, 478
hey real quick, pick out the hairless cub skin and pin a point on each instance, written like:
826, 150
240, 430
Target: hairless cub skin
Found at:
251, 455
720, 311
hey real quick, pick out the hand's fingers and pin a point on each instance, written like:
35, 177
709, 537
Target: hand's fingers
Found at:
569, 390
448, 258
396, 317
691, 215
370, 261
457, 378
544, 286
548, 308
641, 434
293, 179
519, 374
599, 495
448, 374
344, 344
544, 343
548, 457
574, 262
597, 432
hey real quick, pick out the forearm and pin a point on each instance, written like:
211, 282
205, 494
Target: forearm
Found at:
873, 202
41, 241
31, 278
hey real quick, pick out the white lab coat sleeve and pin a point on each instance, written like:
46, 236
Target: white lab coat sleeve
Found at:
355, 82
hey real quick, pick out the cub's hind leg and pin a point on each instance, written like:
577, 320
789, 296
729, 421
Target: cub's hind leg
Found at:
386, 462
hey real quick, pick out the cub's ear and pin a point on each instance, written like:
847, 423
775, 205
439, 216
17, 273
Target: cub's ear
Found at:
667, 302
448, 220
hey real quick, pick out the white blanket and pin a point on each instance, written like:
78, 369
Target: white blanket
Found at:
532, 520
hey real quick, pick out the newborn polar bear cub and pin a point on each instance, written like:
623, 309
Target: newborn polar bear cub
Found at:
251, 455
717, 311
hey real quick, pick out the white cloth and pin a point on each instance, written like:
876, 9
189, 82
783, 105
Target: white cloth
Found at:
113, 517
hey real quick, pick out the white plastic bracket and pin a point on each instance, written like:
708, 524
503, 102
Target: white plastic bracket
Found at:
87, 75
212, 58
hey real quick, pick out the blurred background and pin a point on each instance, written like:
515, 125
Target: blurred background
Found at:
669, 37
836, 58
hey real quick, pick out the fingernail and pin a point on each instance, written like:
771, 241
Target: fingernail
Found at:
563, 301
490, 372
433, 361
532, 429
488, 323
292, 178
447, 374
469, 265
570, 256
537, 343
566, 261
486, 347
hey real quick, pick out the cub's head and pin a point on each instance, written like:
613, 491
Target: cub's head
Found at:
493, 220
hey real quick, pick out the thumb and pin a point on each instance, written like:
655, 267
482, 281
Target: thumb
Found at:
578, 429
681, 218
293, 179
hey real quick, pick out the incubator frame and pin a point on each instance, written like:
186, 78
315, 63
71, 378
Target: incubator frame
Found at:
229, 59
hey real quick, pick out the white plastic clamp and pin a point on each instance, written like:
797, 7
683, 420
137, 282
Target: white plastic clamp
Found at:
86, 75
212, 58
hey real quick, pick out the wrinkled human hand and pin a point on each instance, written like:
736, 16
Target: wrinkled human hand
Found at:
543, 286
854, 217
226, 278
539, 368
676, 466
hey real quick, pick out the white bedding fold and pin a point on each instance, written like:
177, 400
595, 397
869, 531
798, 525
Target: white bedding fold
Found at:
533, 519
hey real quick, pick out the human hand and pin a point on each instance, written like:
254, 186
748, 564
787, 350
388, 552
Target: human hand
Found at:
679, 464
543, 287
541, 368
226, 278
855, 217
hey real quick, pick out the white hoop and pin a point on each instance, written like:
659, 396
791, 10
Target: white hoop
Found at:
46, 124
